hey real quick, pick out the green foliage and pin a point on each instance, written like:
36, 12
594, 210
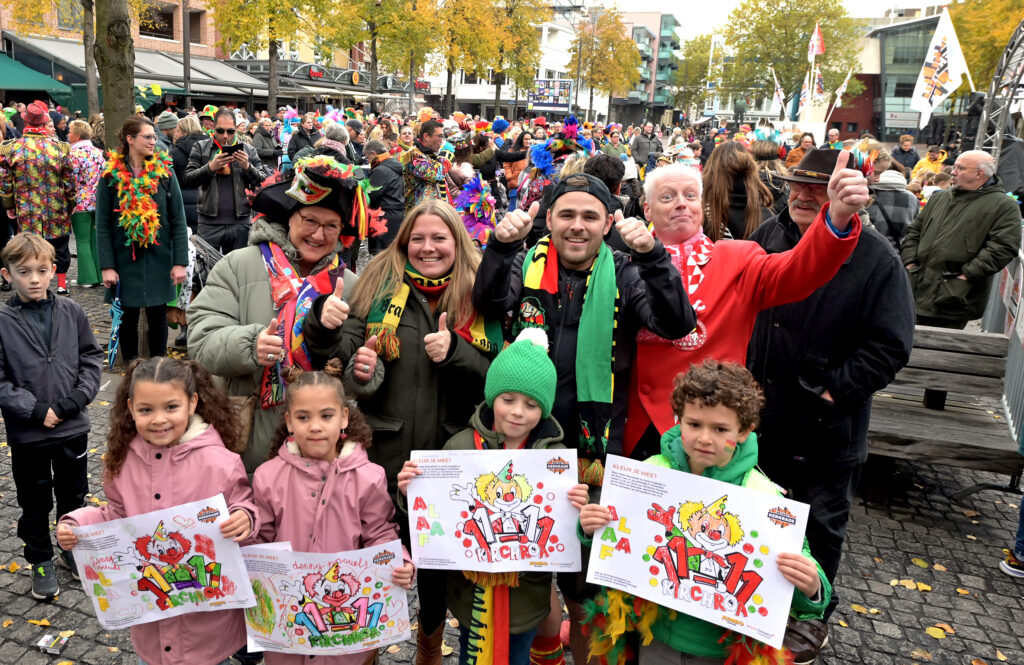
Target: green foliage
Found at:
692, 76
984, 27
603, 55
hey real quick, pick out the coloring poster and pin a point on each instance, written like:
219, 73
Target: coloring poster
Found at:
699, 546
494, 510
161, 564
325, 604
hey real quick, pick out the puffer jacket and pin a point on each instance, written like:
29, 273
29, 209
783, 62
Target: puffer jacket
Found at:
198, 174
228, 315
529, 602
926, 164
189, 194
973, 233
266, 147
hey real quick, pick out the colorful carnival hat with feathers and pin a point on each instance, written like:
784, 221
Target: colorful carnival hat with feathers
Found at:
327, 183
566, 142
461, 140
477, 207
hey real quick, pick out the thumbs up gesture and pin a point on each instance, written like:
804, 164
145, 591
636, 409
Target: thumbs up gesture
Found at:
847, 192
269, 345
437, 344
335, 310
634, 233
366, 360
517, 224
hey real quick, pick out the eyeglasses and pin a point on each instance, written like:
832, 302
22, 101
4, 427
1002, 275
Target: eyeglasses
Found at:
221, 130
311, 225
145, 137
959, 168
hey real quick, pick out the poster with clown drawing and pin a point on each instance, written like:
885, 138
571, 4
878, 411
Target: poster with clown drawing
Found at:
496, 511
161, 564
698, 546
325, 604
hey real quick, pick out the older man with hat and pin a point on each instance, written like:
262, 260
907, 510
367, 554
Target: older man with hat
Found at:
37, 185
819, 361
592, 301
166, 123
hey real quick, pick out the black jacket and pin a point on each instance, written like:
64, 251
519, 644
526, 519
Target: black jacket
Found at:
266, 147
850, 337
198, 174
389, 196
908, 158
62, 372
189, 195
300, 139
651, 295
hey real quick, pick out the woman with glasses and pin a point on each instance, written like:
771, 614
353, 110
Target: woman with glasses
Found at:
141, 235
252, 319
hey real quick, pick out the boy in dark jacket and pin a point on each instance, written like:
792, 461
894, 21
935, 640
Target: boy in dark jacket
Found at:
50, 368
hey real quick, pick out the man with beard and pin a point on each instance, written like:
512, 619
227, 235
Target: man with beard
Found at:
424, 172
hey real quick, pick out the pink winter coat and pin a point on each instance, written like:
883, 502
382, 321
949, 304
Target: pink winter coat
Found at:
153, 478
323, 507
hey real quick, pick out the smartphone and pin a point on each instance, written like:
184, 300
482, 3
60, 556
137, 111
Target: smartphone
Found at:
230, 149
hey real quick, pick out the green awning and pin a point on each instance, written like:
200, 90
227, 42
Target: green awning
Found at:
16, 76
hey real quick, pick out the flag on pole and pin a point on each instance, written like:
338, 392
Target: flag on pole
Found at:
779, 98
817, 44
819, 85
804, 93
943, 70
842, 89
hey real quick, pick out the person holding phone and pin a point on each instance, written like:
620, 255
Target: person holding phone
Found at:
222, 168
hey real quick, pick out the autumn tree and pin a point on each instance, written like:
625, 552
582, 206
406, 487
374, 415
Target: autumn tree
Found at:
984, 27
759, 33
603, 56
469, 40
518, 47
692, 76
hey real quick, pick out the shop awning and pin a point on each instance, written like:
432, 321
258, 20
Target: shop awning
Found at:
16, 76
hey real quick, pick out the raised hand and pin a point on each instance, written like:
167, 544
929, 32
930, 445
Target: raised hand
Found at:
335, 310
634, 233
847, 192
366, 360
437, 344
517, 224
269, 345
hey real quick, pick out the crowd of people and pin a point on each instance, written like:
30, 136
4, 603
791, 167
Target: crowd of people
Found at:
706, 305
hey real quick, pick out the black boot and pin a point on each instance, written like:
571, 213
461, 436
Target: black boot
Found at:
182, 339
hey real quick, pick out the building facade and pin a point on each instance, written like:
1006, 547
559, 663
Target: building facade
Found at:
655, 36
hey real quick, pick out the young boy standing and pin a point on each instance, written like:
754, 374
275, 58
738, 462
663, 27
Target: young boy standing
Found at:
50, 369
717, 405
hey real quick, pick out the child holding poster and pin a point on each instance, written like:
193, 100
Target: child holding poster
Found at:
319, 453
717, 405
173, 440
499, 613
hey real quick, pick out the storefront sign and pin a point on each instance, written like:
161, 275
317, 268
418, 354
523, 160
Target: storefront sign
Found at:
902, 119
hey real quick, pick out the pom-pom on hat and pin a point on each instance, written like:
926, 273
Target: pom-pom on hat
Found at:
524, 367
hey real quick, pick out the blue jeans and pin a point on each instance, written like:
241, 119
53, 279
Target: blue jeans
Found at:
518, 646
1018, 549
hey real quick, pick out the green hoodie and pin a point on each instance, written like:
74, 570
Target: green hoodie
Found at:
695, 636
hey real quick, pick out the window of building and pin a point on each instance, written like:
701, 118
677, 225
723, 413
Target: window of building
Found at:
470, 77
903, 89
69, 15
196, 23
159, 23
851, 128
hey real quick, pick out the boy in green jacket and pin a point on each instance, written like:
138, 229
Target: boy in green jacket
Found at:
717, 405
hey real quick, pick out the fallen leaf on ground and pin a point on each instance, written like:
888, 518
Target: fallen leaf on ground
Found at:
937, 633
920, 563
946, 627
859, 609
878, 559
908, 584
1013, 505
113, 649
40, 622
65, 662
446, 650
8, 622
939, 567
14, 567
894, 582
843, 624
1000, 656
978, 661
963, 592
970, 537
920, 654
875, 610
453, 622
971, 513
67, 633
393, 648
921, 586
103, 403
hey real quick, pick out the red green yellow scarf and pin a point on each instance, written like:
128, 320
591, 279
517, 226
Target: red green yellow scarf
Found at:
139, 212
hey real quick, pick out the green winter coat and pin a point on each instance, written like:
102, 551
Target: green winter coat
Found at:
970, 232
695, 636
529, 602
145, 273
230, 312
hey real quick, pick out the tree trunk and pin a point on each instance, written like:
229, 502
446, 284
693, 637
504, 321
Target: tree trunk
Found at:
498, 78
608, 116
515, 106
115, 59
272, 81
92, 84
373, 67
449, 94
412, 79
590, 106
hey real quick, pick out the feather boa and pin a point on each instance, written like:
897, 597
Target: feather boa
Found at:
139, 213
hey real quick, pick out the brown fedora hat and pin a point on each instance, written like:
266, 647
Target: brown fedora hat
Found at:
815, 168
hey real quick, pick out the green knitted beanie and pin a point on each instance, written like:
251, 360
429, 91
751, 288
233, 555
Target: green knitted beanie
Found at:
524, 367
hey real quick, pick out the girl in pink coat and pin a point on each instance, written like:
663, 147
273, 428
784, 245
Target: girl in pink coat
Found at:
172, 440
320, 491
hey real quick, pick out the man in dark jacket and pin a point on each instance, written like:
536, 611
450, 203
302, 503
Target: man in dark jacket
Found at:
223, 169
707, 145
588, 346
644, 144
819, 361
388, 192
964, 235
906, 154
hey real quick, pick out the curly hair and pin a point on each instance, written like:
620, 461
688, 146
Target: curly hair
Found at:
213, 405
357, 430
714, 382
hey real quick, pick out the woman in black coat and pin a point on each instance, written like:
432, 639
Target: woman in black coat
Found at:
187, 134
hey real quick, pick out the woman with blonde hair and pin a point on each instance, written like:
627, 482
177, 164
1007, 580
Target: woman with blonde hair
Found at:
416, 355
735, 199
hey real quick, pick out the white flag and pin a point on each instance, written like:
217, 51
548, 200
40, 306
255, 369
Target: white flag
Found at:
943, 70
842, 89
805, 93
779, 98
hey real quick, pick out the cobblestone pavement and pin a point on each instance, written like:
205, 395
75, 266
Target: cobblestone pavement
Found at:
903, 512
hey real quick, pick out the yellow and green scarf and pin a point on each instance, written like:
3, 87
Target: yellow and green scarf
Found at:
385, 313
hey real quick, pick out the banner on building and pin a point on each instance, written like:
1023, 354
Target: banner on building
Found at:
554, 95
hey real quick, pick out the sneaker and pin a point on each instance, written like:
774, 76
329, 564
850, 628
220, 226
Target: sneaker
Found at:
44, 581
62, 291
67, 559
1012, 566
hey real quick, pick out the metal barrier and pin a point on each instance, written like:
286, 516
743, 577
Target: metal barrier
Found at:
1002, 316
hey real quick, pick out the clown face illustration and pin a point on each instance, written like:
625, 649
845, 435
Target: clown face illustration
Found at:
500, 506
